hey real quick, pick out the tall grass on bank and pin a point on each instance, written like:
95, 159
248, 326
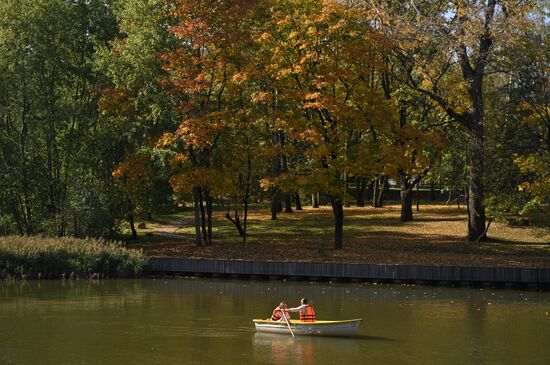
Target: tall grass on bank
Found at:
52, 258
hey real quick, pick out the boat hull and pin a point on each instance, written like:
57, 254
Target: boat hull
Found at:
318, 328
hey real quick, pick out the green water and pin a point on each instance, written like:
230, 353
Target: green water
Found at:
209, 321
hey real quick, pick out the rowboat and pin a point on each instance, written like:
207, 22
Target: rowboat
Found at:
317, 328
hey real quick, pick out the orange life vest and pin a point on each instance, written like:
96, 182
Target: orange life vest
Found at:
276, 314
309, 315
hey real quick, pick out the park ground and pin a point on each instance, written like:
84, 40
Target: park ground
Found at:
371, 235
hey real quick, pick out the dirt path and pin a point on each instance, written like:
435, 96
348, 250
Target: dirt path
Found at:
169, 229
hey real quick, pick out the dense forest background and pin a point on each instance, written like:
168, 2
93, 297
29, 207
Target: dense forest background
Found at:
110, 109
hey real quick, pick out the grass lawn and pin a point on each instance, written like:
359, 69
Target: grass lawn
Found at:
371, 235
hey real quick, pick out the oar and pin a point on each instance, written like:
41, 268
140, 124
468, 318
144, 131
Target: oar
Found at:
288, 324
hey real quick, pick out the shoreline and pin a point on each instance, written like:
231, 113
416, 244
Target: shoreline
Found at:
417, 274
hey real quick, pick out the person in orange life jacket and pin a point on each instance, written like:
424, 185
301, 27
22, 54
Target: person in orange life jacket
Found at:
278, 311
307, 313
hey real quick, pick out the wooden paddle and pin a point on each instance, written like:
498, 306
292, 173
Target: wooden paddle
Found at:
288, 324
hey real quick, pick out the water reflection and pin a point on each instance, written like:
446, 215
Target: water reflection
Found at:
205, 321
282, 349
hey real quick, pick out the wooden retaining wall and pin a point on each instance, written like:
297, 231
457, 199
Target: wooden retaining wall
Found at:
367, 272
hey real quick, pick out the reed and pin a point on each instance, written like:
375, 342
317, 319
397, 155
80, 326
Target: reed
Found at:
66, 257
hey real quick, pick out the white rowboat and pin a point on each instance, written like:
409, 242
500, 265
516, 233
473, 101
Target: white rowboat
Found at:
317, 328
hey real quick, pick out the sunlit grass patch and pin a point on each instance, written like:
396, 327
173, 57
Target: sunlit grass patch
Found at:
436, 236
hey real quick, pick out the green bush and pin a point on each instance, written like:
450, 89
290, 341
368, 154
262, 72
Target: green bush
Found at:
38, 257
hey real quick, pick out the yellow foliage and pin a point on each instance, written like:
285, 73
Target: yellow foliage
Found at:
537, 167
165, 140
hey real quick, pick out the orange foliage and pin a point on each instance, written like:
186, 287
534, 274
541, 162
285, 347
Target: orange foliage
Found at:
132, 168
114, 102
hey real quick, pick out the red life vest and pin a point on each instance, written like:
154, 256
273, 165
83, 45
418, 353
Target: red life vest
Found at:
276, 314
309, 315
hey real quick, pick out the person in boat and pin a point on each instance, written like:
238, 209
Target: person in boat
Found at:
277, 314
307, 313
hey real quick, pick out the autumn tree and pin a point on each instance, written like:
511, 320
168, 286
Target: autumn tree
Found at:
519, 128
414, 151
321, 54
207, 74
532, 84
445, 48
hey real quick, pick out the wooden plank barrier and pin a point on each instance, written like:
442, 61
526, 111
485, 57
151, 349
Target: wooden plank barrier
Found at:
371, 272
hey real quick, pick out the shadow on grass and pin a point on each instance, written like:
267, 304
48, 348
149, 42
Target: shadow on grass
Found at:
370, 235
502, 241
435, 219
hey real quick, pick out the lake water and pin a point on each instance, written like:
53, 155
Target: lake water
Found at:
209, 321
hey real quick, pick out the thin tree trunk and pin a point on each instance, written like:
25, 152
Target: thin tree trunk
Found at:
274, 204
132, 226
203, 217
375, 188
16, 217
297, 201
27, 220
383, 186
418, 197
360, 194
247, 194
288, 203
347, 203
208, 199
236, 222
432, 191
76, 225
315, 200
449, 197
196, 205
338, 211
284, 168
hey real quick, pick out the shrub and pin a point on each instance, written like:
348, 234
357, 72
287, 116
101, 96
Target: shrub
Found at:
40, 257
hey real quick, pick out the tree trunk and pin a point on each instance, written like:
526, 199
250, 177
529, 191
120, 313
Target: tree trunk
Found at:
196, 205
476, 207
76, 225
284, 169
16, 218
338, 210
274, 204
406, 203
288, 203
432, 191
245, 219
203, 217
418, 197
449, 197
132, 226
383, 186
236, 222
297, 201
208, 199
360, 194
375, 188
25, 188
315, 200
247, 194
